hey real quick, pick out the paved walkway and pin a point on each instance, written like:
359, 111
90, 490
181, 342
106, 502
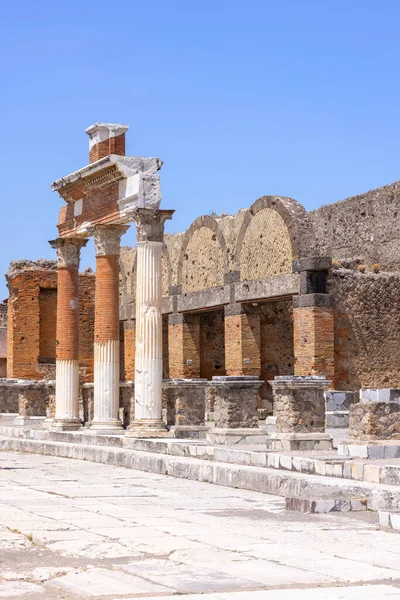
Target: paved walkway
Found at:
73, 529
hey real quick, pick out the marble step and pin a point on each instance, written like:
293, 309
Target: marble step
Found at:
258, 479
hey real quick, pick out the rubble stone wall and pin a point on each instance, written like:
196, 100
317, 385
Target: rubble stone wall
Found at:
367, 326
364, 228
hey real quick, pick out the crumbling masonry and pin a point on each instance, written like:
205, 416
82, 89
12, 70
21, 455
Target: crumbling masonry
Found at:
273, 291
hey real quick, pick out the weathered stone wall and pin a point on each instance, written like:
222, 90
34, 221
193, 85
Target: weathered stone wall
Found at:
374, 420
28, 398
363, 228
3, 339
266, 249
367, 326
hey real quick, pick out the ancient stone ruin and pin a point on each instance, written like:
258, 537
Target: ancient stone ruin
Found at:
274, 327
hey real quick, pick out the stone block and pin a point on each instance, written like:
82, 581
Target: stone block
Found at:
374, 421
299, 404
395, 521
357, 471
339, 401
371, 473
390, 475
303, 442
337, 419
380, 395
235, 401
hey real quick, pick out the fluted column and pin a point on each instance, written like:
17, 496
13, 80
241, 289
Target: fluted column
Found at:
106, 328
148, 352
67, 351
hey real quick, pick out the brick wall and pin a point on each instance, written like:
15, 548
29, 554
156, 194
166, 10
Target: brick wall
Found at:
86, 325
212, 344
31, 327
277, 353
48, 321
112, 145
184, 347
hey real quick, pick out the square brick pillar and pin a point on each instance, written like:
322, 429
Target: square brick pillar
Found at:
242, 340
184, 346
313, 320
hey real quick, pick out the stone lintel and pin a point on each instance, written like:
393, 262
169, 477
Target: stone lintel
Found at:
180, 318
312, 300
203, 299
175, 290
231, 310
269, 288
312, 263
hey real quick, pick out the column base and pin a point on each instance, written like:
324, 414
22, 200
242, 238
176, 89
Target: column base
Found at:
66, 424
300, 441
147, 428
106, 427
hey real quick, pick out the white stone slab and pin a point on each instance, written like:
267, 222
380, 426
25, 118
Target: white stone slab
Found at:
187, 578
102, 582
18, 589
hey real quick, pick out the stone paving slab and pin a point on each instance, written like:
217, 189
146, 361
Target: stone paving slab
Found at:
345, 593
176, 538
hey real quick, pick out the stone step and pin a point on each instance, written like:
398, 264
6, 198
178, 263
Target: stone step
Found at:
258, 479
388, 449
82, 436
389, 520
326, 464
325, 505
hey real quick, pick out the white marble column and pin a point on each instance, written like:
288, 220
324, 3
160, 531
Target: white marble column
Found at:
106, 329
148, 352
67, 352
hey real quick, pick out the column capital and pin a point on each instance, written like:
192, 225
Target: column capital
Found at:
107, 238
68, 251
150, 224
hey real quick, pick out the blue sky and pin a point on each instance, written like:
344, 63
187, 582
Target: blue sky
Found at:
240, 99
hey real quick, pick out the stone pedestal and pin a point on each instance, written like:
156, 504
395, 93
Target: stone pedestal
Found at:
299, 406
185, 402
235, 401
372, 421
148, 420
67, 353
337, 408
106, 329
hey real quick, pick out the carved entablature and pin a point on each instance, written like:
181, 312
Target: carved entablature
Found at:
107, 191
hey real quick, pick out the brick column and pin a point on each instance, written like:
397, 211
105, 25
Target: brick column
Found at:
67, 351
242, 340
106, 328
148, 358
184, 346
313, 321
